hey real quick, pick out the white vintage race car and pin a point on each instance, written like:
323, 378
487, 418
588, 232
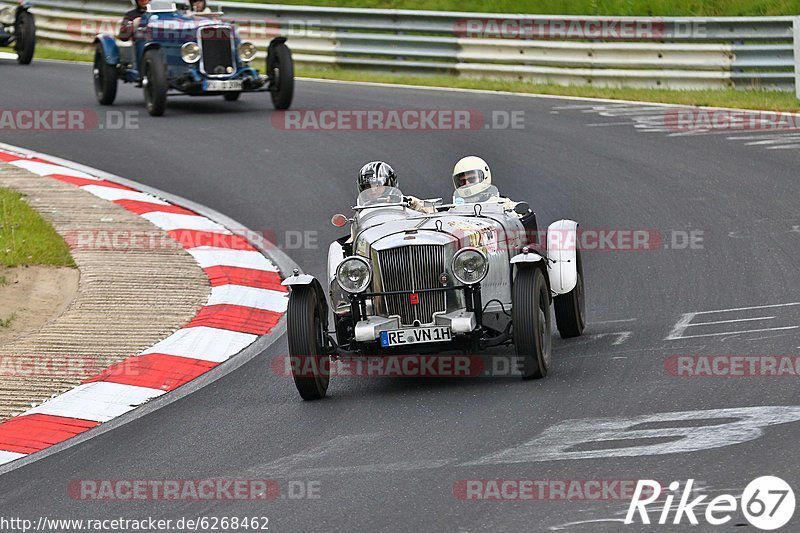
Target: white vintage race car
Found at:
468, 276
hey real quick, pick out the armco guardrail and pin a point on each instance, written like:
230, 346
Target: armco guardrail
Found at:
680, 53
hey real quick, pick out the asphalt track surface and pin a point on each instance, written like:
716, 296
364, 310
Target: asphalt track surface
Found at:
387, 452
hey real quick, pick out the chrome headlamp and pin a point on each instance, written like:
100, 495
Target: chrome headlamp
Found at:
470, 266
354, 274
190, 52
247, 51
7, 16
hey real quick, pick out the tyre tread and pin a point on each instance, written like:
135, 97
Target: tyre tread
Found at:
525, 312
282, 98
302, 339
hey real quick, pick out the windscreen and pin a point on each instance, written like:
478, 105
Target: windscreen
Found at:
161, 6
377, 196
492, 193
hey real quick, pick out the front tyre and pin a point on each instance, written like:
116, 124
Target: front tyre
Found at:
532, 322
232, 96
280, 68
154, 82
105, 78
306, 343
26, 38
571, 307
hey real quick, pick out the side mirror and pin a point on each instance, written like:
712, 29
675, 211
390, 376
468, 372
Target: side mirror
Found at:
339, 220
522, 208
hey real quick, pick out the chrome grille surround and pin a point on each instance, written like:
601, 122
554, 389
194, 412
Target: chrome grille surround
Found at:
217, 49
411, 268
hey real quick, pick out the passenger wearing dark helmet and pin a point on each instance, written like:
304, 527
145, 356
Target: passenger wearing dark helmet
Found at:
376, 176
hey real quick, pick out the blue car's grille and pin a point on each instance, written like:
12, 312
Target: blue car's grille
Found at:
217, 51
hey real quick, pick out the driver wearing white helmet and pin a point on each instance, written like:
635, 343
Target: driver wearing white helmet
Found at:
472, 180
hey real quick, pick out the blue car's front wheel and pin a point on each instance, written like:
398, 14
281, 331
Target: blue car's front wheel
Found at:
154, 82
25, 30
105, 78
281, 71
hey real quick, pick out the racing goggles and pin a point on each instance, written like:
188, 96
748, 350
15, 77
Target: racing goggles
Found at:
470, 177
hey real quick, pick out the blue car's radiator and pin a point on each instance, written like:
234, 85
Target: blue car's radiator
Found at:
217, 46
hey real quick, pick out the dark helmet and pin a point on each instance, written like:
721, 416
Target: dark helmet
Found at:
376, 174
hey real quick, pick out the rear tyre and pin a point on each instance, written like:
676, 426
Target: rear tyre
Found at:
154, 82
26, 38
570, 308
281, 72
532, 323
105, 78
306, 343
232, 96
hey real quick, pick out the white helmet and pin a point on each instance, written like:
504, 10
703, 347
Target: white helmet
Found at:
471, 176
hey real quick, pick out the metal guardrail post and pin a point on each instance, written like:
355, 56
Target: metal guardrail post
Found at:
796, 42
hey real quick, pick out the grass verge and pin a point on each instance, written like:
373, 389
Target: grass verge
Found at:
752, 99
45, 52
576, 7
26, 238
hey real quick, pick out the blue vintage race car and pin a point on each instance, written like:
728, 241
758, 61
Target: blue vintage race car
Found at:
175, 51
18, 29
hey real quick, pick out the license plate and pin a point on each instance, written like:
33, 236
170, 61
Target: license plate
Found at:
404, 337
223, 85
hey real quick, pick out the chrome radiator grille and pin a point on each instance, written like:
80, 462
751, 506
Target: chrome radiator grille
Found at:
411, 268
217, 50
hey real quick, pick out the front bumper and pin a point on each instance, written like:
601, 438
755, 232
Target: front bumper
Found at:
193, 82
465, 323
459, 322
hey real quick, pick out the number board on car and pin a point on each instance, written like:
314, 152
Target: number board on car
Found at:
404, 337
